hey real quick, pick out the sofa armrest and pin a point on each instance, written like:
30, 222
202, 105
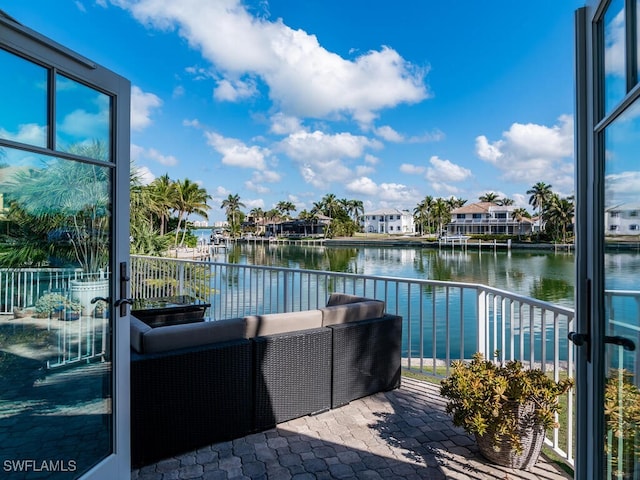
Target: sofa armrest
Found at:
292, 375
366, 358
191, 398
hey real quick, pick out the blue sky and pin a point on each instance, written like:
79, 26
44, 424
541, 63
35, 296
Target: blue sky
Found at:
384, 102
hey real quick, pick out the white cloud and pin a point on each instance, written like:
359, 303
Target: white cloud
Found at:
529, 153
614, 42
622, 187
255, 187
145, 175
393, 192
30, 133
236, 154
444, 170
304, 79
363, 170
259, 178
254, 203
166, 160
320, 156
282, 124
142, 105
389, 134
412, 169
234, 90
140, 154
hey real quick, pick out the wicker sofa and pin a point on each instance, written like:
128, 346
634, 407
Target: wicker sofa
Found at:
200, 383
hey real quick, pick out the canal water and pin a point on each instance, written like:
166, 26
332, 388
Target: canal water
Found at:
542, 274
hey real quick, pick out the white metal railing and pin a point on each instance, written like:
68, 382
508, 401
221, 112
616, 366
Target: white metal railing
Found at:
80, 340
21, 287
442, 321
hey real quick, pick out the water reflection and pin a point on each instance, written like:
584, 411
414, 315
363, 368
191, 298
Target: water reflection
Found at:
544, 275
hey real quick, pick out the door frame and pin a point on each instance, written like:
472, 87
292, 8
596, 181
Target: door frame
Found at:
35, 47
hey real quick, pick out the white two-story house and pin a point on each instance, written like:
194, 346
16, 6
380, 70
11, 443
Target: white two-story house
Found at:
623, 219
389, 220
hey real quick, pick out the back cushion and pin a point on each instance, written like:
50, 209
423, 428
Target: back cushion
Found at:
352, 312
172, 337
343, 299
274, 323
137, 330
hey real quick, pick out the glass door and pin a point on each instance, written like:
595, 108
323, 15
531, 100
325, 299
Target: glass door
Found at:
608, 240
64, 184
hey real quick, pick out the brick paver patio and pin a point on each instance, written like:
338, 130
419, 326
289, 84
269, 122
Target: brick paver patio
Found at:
403, 434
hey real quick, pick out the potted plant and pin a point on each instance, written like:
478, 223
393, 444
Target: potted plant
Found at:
507, 407
61, 217
622, 415
56, 305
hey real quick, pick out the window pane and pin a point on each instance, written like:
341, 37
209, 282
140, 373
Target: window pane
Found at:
83, 120
622, 201
23, 100
614, 55
55, 356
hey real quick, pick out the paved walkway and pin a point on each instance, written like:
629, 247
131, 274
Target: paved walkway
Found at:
403, 434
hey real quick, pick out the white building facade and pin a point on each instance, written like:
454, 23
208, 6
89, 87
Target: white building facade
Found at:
487, 218
622, 219
392, 221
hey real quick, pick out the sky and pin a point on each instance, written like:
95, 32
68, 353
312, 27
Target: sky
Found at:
289, 100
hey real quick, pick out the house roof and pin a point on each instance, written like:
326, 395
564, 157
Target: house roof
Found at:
388, 211
480, 207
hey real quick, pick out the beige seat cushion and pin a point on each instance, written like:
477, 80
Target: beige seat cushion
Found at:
274, 323
172, 337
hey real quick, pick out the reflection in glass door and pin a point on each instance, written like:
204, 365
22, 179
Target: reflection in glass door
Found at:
60, 413
622, 296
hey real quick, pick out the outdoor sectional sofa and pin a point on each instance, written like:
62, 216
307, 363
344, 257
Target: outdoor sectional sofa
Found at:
200, 383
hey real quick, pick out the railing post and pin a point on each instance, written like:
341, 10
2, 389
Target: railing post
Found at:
181, 267
286, 291
481, 327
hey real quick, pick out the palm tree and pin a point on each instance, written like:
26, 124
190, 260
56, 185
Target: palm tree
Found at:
232, 205
420, 214
271, 215
162, 196
258, 214
190, 198
441, 213
284, 207
355, 208
518, 215
489, 197
540, 195
559, 214
505, 202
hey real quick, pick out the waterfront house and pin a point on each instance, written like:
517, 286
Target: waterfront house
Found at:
392, 221
623, 219
487, 218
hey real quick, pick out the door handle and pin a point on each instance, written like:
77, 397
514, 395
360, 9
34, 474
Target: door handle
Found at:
123, 301
623, 342
578, 339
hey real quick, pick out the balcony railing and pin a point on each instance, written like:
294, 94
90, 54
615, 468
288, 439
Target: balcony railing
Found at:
443, 321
